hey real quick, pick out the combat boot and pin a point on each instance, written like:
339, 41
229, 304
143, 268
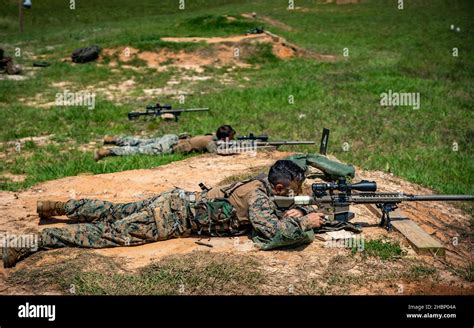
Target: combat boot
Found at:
48, 208
110, 140
11, 254
101, 153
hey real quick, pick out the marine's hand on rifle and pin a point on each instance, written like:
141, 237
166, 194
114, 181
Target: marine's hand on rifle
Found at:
313, 220
294, 213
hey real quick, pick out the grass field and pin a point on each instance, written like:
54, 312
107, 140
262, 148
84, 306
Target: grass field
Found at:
407, 50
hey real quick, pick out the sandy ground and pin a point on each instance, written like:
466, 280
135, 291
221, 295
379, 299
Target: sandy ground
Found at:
442, 220
221, 53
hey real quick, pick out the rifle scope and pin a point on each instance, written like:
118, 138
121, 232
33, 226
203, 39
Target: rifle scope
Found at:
343, 186
158, 106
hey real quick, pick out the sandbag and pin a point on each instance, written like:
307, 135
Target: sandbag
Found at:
330, 168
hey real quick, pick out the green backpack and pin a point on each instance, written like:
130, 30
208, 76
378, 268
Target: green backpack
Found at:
215, 217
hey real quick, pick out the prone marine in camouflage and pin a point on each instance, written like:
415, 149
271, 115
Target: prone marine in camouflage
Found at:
169, 143
231, 210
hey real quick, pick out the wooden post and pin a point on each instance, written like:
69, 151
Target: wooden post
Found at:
20, 15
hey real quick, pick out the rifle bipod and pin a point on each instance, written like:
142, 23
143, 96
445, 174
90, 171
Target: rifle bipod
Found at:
386, 209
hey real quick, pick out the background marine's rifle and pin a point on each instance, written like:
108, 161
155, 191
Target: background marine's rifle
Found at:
158, 110
262, 140
230, 147
337, 204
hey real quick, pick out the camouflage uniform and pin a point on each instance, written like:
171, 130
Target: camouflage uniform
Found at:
163, 145
7, 65
227, 211
107, 224
153, 146
205, 143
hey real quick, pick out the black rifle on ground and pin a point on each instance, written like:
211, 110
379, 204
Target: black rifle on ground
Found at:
337, 204
158, 110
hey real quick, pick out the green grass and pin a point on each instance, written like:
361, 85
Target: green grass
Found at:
199, 273
403, 50
421, 271
383, 249
466, 273
262, 55
469, 275
211, 23
218, 275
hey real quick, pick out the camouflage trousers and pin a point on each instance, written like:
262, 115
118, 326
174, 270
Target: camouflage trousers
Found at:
152, 146
105, 224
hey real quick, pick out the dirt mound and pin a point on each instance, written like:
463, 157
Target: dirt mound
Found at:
18, 210
228, 39
281, 48
313, 266
231, 51
162, 59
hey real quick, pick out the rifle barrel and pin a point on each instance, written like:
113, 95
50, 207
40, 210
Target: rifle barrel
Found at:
282, 143
181, 110
374, 198
441, 197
